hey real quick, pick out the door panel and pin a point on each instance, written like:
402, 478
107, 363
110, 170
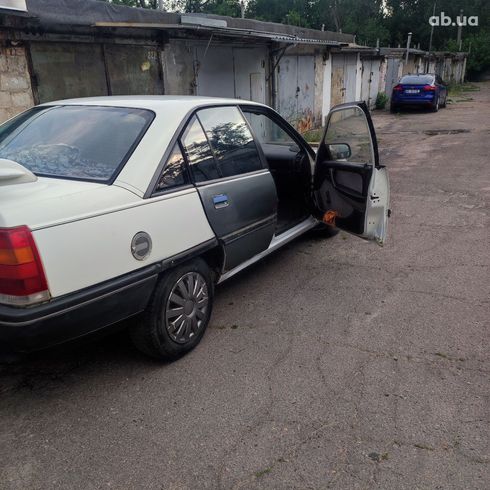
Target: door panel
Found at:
343, 189
242, 212
240, 202
351, 188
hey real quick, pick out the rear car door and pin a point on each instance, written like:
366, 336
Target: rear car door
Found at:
351, 188
236, 189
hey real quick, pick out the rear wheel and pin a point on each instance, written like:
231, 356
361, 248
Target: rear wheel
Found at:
435, 107
443, 105
393, 108
178, 314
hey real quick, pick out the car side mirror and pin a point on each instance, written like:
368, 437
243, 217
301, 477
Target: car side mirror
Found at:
339, 151
294, 148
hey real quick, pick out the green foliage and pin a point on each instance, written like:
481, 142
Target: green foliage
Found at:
313, 135
381, 100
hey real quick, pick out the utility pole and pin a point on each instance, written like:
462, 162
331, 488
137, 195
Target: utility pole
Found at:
242, 9
460, 28
430, 39
160, 4
409, 40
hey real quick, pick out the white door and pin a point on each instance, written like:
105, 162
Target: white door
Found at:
351, 187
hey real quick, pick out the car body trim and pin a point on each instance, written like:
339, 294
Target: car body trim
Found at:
235, 235
277, 242
56, 307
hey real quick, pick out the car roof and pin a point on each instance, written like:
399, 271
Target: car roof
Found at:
156, 103
419, 75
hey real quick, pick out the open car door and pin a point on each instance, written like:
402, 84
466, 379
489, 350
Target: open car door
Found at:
351, 188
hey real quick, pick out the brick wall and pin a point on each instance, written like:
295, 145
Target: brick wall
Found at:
15, 83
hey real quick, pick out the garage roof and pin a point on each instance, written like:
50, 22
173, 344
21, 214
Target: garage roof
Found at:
98, 14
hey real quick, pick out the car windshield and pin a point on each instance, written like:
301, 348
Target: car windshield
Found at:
417, 79
75, 142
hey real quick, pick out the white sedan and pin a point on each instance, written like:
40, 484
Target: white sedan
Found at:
113, 207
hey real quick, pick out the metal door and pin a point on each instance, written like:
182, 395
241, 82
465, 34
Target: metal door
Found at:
296, 84
374, 86
305, 96
214, 69
133, 70
249, 73
392, 67
366, 80
351, 187
287, 81
67, 70
350, 77
337, 79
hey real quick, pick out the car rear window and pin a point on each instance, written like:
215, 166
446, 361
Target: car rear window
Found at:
75, 142
417, 80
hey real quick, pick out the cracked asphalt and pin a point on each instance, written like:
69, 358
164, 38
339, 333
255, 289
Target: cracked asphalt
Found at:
331, 364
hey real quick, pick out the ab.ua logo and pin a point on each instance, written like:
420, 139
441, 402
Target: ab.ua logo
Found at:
445, 21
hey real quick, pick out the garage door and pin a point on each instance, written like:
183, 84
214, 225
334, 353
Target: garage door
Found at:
133, 70
214, 68
296, 84
68, 70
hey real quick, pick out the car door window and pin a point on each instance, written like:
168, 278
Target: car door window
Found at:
198, 153
231, 141
174, 173
348, 138
266, 130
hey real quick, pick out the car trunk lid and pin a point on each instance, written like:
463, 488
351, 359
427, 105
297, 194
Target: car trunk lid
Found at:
47, 201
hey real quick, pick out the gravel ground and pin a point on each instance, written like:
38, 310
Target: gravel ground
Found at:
331, 364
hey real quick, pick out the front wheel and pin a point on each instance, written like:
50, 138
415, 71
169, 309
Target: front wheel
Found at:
178, 314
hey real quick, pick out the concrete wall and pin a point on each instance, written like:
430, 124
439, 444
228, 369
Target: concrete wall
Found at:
15, 82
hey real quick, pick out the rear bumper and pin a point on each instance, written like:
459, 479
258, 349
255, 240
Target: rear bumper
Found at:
421, 100
77, 314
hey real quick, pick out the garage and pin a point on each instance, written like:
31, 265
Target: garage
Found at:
296, 88
67, 70
231, 71
344, 78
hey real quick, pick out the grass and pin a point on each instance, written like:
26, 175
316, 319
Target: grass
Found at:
459, 89
313, 135
424, 446
263, 472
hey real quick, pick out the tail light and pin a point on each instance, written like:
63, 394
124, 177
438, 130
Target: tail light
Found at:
22, 278
428, 88
397, 88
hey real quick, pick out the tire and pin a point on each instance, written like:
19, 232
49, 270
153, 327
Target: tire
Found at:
323, 230
443, 105
435, 107
169, 336
393, 108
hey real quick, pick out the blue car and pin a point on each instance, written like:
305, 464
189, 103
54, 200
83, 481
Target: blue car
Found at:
422, 90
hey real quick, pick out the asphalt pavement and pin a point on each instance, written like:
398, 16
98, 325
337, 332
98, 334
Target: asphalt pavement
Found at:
331, 364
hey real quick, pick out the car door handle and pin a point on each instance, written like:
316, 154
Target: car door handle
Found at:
220, 201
